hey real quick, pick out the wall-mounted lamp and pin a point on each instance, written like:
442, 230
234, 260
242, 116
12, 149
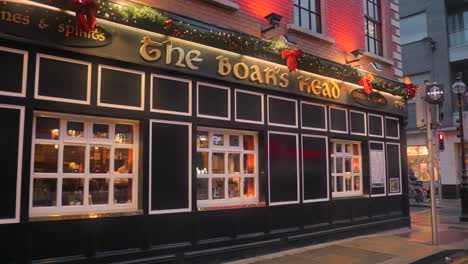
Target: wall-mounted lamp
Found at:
274, 20
377, 66
357, 56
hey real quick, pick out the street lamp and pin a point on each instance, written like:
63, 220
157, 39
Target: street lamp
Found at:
459, 88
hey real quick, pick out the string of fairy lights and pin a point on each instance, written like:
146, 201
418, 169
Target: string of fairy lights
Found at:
148, 18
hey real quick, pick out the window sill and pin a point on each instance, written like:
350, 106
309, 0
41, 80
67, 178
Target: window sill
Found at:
378, 58
225, 4
310, 33
84, 216
230, 207
350, 197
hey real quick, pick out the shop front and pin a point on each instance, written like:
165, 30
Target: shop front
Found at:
122, 143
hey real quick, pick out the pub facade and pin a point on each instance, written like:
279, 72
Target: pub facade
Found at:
127, 143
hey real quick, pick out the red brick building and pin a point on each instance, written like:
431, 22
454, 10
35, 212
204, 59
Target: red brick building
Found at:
182, 132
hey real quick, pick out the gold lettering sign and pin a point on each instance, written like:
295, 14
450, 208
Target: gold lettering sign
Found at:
184, 60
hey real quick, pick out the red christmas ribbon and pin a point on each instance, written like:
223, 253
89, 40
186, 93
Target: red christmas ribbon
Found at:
366, 82
85, 18
411, 89
291, 58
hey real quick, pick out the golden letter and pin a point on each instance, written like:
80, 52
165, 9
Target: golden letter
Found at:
336, 90
237, 70
153, 54
256, 75
326, 90
189, 59
303, 83
315, 87
284, 81
224, 66
270, 75
180, 52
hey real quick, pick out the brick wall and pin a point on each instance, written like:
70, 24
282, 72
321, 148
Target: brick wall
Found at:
343, 24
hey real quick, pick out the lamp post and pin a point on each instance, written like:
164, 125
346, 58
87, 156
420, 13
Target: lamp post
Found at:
459, 88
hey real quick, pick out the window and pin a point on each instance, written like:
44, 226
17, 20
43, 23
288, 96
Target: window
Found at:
226, 166
413, 28
373, 26
346, 167
458, 28
307, 14
83, 165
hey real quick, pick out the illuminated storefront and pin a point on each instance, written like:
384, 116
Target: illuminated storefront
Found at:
418, 160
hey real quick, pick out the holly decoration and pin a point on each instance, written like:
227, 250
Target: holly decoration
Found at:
85, 14
176, 33
232, 45
411, 89
168, 24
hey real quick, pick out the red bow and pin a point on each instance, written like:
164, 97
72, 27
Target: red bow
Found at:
85, 18
366, 82
291, 56
411, 89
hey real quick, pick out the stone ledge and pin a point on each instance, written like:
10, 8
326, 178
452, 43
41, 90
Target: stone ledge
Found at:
225, 3
304, 31
378, 58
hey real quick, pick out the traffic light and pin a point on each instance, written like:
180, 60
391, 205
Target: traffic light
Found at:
441, 137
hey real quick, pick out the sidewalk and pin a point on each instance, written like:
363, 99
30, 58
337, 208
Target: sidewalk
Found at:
397, 246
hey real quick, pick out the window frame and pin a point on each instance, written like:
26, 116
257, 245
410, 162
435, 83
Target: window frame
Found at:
226, 150
24, 74
381, 122
378, 43
317, 15
87, 141
398, 127
347, 119
236, 91
351, 123
333, 173
384, 150
399, 170
296, 122
60, 99
215, 86
328, 168
167, 77
325, 116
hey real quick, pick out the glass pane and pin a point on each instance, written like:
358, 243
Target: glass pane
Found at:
313, 21
217, 163
101, 131
218, 140
249, 187
305, 3
296, 16
73, 159
249, 143
357, 183
348, 182
333, 184
356, 149
234, 141
72, 192
45, 158
202, 139
338, 147
356, 165
123, 134
47, 128
218, 188
314, 5
339, 183
234, 163
305, 18
123, 161
75, 129
249, 163
234, 187
202, 189
99, 159
348, 148
348, 165
201, 163
122, 191
332, 164
44, 192
98, 191
339, 165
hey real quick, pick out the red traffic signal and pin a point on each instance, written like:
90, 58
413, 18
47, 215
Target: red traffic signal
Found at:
441, 137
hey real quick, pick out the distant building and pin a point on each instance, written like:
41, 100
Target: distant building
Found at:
434, 40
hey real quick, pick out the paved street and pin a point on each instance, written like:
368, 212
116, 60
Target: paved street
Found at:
399, 246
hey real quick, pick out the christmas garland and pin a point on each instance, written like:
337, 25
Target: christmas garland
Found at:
149, 18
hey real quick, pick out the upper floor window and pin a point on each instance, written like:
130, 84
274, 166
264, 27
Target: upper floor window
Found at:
373, 26
458, 28
83, 165
413, 28
307, 14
